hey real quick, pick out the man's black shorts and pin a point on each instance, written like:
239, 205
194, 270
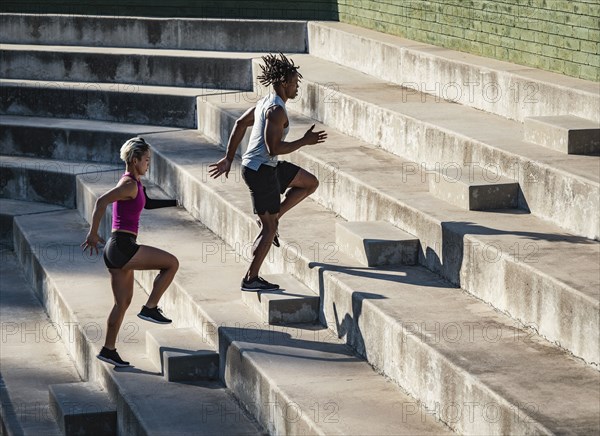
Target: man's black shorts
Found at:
268, 184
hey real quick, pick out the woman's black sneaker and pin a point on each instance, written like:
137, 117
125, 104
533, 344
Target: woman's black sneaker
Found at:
258, 284
275, 239
112, 357
153, 315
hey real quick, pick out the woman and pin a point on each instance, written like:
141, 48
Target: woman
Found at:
122, 255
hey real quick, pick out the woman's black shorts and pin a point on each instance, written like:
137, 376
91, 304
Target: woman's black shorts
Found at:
119, 249
268, 184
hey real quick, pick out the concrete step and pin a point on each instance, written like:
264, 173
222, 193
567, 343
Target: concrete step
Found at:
144, 32
191, 69
376, 243
201, 407
292, 303
567, 134
32, 356
474, 188
83, 409
512, 260
509, 90
182, 354
66, 139
12, 208
122, 103
405, 321
294, 379
434, 134
43, 180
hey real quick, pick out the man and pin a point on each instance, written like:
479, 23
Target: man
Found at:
266, 176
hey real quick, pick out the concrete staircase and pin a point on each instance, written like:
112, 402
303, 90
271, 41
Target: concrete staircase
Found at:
485, 311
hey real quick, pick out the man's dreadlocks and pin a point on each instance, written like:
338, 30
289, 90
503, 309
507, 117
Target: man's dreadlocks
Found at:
277, 70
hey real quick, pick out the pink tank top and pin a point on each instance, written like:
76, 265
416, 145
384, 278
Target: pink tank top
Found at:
126, 213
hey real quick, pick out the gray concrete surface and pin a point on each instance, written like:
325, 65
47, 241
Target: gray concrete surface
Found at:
492, 255
83, 409
567, 134
509, 90
160, 33
376, 243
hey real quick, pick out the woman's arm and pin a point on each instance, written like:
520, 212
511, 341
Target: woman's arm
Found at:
124, 191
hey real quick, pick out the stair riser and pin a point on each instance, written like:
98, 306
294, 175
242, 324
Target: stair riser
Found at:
40, 185
286, 36
90, 102
219, 73
62, 144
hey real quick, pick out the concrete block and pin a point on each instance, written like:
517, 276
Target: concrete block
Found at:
66, 139
474, 188
12, 208
45, 181
82, 409
376, 243
292, 303
182, 354
127, 65
137, 104
164, 33
567, 134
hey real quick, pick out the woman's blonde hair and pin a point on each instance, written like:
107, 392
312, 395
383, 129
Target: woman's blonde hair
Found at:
134, 148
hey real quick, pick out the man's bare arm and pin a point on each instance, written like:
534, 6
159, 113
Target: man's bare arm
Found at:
276, 119
237, 134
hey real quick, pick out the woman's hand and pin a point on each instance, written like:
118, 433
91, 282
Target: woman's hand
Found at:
91, 242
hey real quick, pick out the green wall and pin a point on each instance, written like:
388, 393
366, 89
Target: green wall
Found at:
555, 35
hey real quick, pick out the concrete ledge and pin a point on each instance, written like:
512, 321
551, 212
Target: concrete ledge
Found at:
509, 90
567, 134
83, 409
45, 181
474, 188
65, 139
164, 33
182, 354
137, 104
377, 243
9, 209
292, 303
207, 70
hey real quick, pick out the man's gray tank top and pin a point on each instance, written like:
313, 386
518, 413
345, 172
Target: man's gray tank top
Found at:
256, 154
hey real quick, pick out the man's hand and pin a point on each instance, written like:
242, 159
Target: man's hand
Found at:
223, 166
311, 137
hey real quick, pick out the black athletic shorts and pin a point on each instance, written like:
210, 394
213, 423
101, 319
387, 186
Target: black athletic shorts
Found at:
119, 249
268, 184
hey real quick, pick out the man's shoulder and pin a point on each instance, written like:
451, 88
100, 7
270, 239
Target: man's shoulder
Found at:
276, 113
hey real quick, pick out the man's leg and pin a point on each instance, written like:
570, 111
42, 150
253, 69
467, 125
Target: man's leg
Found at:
303, 184
262, 244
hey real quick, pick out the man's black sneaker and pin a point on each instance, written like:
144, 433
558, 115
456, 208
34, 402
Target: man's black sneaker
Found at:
112, 357
153, 315
258, 284
275, 239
